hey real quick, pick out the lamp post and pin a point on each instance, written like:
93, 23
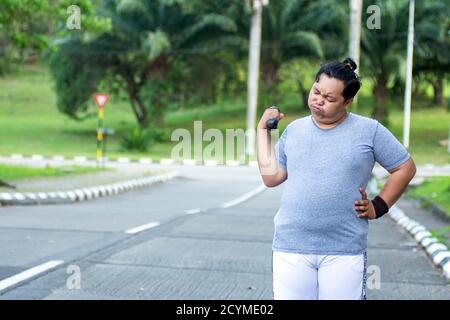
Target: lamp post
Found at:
355, 36
253, 73
409, 66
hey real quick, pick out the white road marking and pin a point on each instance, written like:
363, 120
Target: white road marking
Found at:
193, 211
142, 228
243, 198
27, 274
231, 203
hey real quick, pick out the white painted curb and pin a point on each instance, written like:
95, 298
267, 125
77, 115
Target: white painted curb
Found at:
189, 162
438, 252
83, 194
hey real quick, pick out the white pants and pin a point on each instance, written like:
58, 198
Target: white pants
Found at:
324, 277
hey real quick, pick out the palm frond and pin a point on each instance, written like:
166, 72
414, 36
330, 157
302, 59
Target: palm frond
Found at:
155, 44
209, 25
305, 43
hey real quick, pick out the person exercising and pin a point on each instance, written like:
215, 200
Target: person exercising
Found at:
326, 158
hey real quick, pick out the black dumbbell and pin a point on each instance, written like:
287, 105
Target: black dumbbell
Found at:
272, 123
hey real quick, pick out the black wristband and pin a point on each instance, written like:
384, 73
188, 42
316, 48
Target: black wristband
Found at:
380, 206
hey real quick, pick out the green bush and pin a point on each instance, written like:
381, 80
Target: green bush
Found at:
138, 139
162, 135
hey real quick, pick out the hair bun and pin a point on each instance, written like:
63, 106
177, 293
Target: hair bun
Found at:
350, 63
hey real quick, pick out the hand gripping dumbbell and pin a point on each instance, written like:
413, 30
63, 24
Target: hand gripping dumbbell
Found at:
272, 123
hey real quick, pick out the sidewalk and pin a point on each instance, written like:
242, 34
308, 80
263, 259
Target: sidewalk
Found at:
84, 180
426, 170
412, 209
407, 273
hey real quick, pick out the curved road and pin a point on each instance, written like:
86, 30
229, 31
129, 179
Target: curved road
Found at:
155, 244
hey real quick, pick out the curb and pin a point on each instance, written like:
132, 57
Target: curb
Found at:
434, 208
82, 194
125, 160
438, 252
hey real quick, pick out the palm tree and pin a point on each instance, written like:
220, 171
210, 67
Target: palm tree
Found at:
145, 39
300, 29
384, 51
433, 45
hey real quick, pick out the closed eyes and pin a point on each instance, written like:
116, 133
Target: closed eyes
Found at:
329, 99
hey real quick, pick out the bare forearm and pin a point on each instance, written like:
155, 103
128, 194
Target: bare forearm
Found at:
267, 161
396, 185
265, 153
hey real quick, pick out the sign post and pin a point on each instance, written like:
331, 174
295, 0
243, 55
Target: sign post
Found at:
100, 100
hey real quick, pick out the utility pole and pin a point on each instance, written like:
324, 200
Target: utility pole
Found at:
409, 66
355, 29
253, 73
448, 141
355, 35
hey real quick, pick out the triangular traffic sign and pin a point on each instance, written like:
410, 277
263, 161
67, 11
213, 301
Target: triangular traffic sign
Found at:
101, 99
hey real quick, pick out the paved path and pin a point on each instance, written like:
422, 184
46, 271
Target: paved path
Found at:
216, 254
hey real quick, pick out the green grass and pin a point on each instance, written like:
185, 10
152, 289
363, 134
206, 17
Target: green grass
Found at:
436, 190
442, 235
11, 173
31, 124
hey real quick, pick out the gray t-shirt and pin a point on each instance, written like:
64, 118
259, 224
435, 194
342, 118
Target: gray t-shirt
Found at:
325, 169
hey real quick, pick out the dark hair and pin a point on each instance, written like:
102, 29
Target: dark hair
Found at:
344, 71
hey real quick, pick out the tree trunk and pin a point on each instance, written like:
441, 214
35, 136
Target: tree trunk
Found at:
143, 114
270, 78
438, 88
157, 72
416, 91
381, 93
139, 110
304, 94
158, 112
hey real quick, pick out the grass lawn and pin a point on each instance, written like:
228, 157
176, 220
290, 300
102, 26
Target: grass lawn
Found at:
31, 124
11, 173
436, 190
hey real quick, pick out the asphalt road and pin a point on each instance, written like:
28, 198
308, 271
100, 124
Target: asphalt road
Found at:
217, 253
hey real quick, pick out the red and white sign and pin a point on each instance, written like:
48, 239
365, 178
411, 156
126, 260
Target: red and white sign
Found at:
101, 99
